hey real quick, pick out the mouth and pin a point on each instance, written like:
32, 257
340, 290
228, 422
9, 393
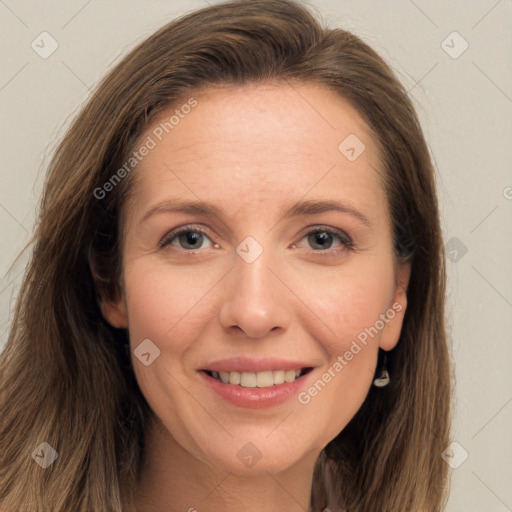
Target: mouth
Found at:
263, 379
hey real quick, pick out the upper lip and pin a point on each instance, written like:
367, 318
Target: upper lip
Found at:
247, 364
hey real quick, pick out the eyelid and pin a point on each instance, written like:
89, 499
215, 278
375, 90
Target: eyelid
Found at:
319, 228
346, 239
168, 237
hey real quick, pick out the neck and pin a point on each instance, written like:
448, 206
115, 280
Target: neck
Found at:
173, 480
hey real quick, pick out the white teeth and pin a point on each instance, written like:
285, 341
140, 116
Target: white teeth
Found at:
264, 379
234, 378
278, 377
289, 376
248, 380
261, 379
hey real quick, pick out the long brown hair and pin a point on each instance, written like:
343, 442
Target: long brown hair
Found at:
66, 377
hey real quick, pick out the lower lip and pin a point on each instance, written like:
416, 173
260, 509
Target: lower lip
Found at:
256, 398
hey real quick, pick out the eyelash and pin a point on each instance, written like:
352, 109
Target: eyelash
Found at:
346, 242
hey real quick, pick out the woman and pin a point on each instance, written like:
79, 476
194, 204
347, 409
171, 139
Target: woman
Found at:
236, 294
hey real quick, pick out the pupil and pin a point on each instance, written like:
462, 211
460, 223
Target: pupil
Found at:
321, 237
191, 238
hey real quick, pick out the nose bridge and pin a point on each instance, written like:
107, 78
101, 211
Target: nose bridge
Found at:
255, 302
254, 280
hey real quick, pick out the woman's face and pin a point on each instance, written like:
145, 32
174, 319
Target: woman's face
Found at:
284, 261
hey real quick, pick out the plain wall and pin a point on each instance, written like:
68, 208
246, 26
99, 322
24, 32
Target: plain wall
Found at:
464, 103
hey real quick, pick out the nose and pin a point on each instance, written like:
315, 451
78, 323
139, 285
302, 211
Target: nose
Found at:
256, 302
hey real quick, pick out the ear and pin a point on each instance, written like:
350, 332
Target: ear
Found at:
396, 308
114, 312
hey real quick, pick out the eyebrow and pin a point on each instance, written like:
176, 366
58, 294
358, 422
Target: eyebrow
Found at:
309, 207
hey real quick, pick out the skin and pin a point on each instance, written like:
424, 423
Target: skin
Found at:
254, 152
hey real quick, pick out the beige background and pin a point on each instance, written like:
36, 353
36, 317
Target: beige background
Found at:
465, 105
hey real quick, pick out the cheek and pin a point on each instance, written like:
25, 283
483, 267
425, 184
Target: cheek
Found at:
169, 307
166, 303
350, 311
346, 304
343, 317
337, 393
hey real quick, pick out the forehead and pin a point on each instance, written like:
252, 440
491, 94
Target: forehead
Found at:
254, 147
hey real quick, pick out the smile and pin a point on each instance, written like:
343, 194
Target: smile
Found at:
264, 379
